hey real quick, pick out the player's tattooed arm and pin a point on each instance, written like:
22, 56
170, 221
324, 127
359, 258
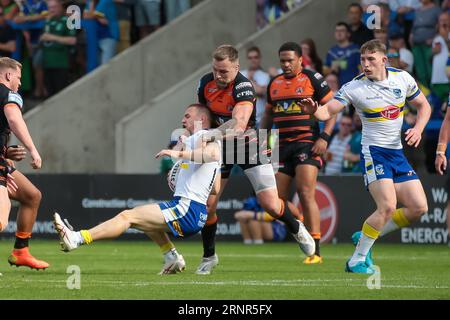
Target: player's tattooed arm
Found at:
236, 126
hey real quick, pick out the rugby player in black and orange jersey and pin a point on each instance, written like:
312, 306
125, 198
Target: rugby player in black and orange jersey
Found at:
23, 190
231, 98
301, 144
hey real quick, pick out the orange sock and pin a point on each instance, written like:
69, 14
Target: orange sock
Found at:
316, 237
23, 235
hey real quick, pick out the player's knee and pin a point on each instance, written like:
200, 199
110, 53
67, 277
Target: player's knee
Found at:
387, 210
307, 195
271, 207
31, 198
420, 209
126, 215
36, 197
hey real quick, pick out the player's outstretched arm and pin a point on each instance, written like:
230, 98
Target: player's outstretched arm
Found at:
206, 152
322, 113
414, 134
441, 160
20, 130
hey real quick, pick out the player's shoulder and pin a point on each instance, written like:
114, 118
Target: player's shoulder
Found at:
9, 96
241, 82
312, 75
356, 82
277, 80
399, 73
207, 78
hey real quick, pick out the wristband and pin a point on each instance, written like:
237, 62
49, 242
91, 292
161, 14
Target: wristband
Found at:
325, 136
441, 148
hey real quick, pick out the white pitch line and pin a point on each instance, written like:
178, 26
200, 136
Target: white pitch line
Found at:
271, 283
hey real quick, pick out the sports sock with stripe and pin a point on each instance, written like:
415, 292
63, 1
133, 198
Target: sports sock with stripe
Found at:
286, 216
397, 221
368, 237
209, 237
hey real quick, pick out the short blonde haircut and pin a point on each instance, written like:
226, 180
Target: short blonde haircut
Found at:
226, 51
8, 63
373, 46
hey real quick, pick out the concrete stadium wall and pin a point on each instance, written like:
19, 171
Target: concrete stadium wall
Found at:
146, 131
74, 130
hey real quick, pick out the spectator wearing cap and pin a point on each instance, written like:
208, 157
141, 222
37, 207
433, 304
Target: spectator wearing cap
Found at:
359, 32
405, 56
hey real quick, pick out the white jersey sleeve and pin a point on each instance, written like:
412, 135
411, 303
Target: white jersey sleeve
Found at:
343, 95
412, 90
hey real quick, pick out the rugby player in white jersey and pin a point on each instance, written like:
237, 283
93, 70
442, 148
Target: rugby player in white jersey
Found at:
379, 96
184, 215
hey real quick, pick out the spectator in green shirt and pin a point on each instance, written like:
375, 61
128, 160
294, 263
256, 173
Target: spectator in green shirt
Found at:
56, 43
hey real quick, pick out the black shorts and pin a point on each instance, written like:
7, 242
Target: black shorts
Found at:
244, 153
296, 154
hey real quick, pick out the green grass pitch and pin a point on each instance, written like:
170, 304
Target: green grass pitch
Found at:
128, 270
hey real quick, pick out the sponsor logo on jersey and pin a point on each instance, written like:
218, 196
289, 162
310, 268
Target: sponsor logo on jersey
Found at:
328, 211
390, 112
397, 93
318, 76
244, 85
299, 90
247, 93
212, 90
287, 107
